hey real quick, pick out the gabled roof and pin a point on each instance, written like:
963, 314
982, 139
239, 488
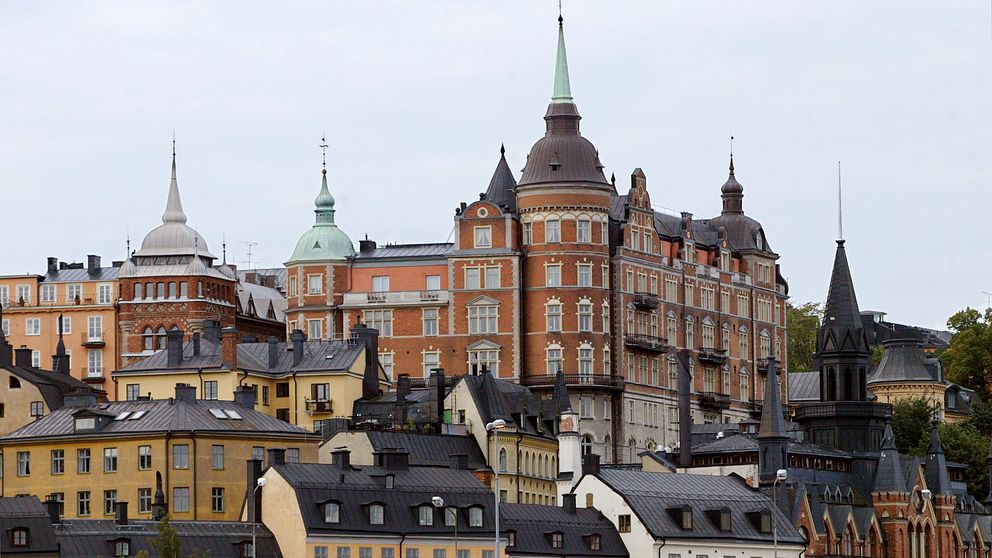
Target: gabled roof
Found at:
502, 399
429, 450
53, 385
531, 524
85, 538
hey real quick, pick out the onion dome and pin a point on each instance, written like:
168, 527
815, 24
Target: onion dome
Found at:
174, 237
502, 186
562, 155
732, 193
324, 241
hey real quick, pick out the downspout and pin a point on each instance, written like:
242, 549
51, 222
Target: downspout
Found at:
402, 539
168, 467
193, 454
296, 398
199, 373
661, 548
244, 376
519, 437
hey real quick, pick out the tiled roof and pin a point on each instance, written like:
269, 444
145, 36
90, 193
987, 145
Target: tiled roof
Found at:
217, 539
532, 525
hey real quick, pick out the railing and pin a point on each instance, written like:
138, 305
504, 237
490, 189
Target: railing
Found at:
646, 300
713, 356
94, 373
741, 279
762, 364
594, 380
646, 343
755, 405
396, 298
714, 400
321, 406
91, 339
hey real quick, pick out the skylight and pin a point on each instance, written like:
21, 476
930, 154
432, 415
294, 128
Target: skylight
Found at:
233, 414
218, 414
138, 414
123, 416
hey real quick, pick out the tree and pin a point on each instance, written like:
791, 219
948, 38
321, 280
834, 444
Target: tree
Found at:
911, 424
876, 355
963, 443
803, 321
167, 542
968, 359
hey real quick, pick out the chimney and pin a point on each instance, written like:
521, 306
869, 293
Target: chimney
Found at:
392, 459
685, 410
53, 266
277, 456
76, 399
298, 338
121, 513
211, 330
160, 508
437, 398
174, 347
22, 357
196, 343
229, 347
341, 457
54, 508
245, 396
254, 496
370, 337
365, 245
568, 502
403, 388
459, 461
92, 262
186, 392
273, 351
590, 464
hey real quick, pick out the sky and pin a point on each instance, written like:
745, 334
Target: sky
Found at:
415, 99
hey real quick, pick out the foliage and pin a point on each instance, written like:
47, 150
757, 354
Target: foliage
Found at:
167, 542
911, 424
876, 355
968, 360
963, 443
802, 321
981, 416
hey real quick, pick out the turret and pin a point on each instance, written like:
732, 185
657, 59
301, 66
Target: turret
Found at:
773, 436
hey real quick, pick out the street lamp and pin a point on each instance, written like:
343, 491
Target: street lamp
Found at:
780, 475
254, 520
439, 503
494, 427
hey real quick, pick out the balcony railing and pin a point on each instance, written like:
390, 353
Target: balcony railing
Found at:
762, 364
93, 374
712, 356
320, 406
396, 298
588, 380
92, 339
755, 406
646, 343
646, 301
714, 400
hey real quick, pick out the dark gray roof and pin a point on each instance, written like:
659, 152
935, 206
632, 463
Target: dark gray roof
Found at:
29, 513
217, 539
842, 329
935, 469
161, 415
425, 250
563, 155
502, 186
81, 275
532, 525
53, 386
651, 495
905, 361
432, 450
739, 443
804, 386
497, 398
772, 415
889, 476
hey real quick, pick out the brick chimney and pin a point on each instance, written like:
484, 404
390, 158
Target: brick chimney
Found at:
196, 343
174, 348
370, 338
229, 347
568, 502
273, 342
92, 262
53, 266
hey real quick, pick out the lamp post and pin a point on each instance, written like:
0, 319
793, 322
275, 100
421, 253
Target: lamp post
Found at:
254, 518
780, 475
439, 503
494, 427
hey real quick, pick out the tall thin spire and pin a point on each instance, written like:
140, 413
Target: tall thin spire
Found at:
324, 200
563, 91
840, 208
174, 206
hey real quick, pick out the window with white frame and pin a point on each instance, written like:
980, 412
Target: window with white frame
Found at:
36, 359
742, 303
432, 360
709, 380
66, 328
726, 380
380, 283
707, 298
584, 231
709, 335
94, 359
672, 331
473, 278
492, 277
635, 239
554, 359
585, 316
552, 274
32, 326
607, 411
671, 290
483, 319
647, 241
104, 293
642, 282
430, 319
24, 294
742, 339
552, 230
744, 384
483, 358
292, 286
690, 294
605, 279
46, 293
381, 320
94, 327
764, 344
604, 233
630, 281
315, 284
483, 237
315, 329
553, 315
725, 302
6, 326
528, 232
585, 361
386, 360
689, 334
606, 359
606, 317
725, 338
585, 407
689, 252
4, 295
432, 283
585, 275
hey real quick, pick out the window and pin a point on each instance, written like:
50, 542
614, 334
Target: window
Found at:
492, 277
23, 463
557, 540
553, 310
32, 326
554, 360
265, 395
433, 283
432, 360
184, 290
24, 294
74, 291
180, 500
483, 319
385, 359
46, 293
595, 542
94, 359
365, 552
122, 548
83, 502
528, 233
83, 460
217, 456
315, 329
376, 514
258, 452
425, 515
689, 334
585, 316
483, 237
585, 363
180, 456
315, 284
144, 500
292, 286
133, 391
585, 275
502, 460
110, 460
109, 500
380, 283
282, 388
585, 407
5, 326
37, 409
484, 358
381, 320
624, 523
217, 499
160, 288
430, 321
440, 553
36, 359
210, 390
475, 517
552, 230
744, 385
472, 278
58, 462
584, 231
105, 293
412, 553
552, 275
320, 552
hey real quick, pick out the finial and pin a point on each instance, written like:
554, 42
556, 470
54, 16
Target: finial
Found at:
560, 19
223, 248
173, 143
840, 209
613, 179
323, 151
127, 242
502, 150
731, 154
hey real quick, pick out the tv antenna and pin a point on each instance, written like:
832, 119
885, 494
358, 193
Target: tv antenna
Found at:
250, 245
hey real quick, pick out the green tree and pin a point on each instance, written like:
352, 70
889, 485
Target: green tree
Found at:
968, 359
963, 443
911, 424
167, 542
981, 416
876, 355
803, 321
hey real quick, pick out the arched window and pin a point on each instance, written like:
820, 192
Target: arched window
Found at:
608, 449
633, 449
160, 334
586, 444
148, 339
845, 542
502, 460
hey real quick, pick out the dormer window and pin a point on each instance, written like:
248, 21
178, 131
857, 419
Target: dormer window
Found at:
682, 516
425, 515
759, 241
390, 482
122, 548
511, 539
377, 514
19, 538
594, 542
725, 520
332, 512
475, 517
557, 540
85, 423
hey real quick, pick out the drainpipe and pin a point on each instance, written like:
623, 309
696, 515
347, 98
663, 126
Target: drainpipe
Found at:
519, 436
296, 398
199, 373
193, 454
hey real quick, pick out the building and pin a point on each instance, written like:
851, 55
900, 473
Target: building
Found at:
682, 515
83, 297
566, 531
32, 392
89, 457
27, 530
306, 383
558, 270
425, 450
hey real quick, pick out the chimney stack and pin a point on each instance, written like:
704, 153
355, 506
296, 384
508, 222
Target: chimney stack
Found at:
254, 496
22, 357
685, 410
365, 245
590, 464
93, 262
54, 509
174, 347
245, 396
211, 330
370, 338
273, 351
298, 338
53, 266
186, 392
568, 502
229, 347
196, 343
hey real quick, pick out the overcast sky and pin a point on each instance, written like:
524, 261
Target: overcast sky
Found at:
416, 97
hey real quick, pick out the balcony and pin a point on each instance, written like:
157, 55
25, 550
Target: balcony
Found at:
645, 301
92, 339
762, 364
741, 279
712, 356
646, 343
93, 375
575, 380
320, 407
714, 401
755, 406
395, 298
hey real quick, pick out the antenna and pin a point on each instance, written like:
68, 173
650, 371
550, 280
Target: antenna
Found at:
840, 207
250, 244
223, 248
989, 295
127, 243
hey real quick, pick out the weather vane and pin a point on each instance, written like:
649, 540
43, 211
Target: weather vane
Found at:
323, 151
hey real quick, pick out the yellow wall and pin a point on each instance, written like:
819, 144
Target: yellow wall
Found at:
200, 477
890, 393
17, 402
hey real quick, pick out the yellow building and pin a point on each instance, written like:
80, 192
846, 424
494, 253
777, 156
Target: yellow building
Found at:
89, 457
301, 382
906, 371
86, 299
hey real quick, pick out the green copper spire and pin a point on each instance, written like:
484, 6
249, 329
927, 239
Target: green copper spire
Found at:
563, 92
324, 202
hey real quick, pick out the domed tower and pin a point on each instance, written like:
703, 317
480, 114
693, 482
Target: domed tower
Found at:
317, 272
170, 283
563, 200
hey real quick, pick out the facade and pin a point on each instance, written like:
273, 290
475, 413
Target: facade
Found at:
305, 383
90, 457
561, 271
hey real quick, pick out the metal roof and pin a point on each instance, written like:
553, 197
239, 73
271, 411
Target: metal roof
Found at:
53, 386
432, 450
217, 539
532, 525
72, 275
26, 512
439, 249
